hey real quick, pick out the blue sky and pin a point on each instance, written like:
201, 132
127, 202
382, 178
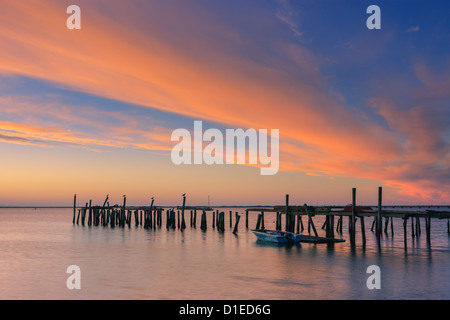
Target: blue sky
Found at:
355, 107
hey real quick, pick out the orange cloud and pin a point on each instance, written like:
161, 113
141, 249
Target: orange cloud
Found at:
198, 73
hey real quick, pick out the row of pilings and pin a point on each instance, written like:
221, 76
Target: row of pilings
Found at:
148, 217
357, 216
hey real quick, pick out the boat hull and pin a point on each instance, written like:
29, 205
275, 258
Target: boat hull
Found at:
275, 236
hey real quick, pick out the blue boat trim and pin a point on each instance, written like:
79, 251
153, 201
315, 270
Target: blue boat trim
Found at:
277, 236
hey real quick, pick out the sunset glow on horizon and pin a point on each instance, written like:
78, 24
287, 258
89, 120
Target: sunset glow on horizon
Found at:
91, 111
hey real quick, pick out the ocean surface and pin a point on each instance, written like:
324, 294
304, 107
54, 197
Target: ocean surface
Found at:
38, 245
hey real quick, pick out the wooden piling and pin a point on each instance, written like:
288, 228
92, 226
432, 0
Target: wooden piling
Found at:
183, 222
353, 218
221, 222
203, 224
122, 223
74, 206
380, 210
277, 215
258, 222
428, 228
310, 221
338, 224
195, 218
262, 220
78, 217
246, 219
418, 226
236, 224
287, 220
90, 213
405, 240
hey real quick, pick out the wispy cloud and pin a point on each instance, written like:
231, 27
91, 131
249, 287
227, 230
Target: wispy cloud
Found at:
413, 29
287, 14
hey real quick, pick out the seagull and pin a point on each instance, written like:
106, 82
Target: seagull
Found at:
184, 194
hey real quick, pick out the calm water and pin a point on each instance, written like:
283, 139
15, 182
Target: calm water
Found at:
37, 246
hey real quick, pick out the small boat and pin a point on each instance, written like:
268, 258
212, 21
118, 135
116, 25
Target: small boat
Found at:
276, 236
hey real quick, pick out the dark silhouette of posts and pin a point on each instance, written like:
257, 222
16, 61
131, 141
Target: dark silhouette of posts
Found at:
287, 227
310, 221
238, 217
90, 213
122, 218
74, 207
246, 219
353, 220
379, 219
183, 223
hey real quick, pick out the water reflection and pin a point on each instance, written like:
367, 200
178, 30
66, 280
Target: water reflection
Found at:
134, 263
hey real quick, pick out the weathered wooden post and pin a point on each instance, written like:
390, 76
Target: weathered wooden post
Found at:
287, 220
203, 224
136, 218
90, 213
278, 221
246, 219
122, 223
113, 218
392, 227
195, 218
418, 231
236, 224
353, 220
339, 225
405, 240
148, 220
262, 220
183, 222
331, 221
78, 217
310, 221
222, 221
380, 210
258, 222
74, 206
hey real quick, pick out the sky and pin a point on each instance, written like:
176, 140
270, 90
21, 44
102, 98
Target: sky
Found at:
91, 111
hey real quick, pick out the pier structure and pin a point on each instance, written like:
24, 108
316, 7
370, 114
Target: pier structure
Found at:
353, 212
151, 217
